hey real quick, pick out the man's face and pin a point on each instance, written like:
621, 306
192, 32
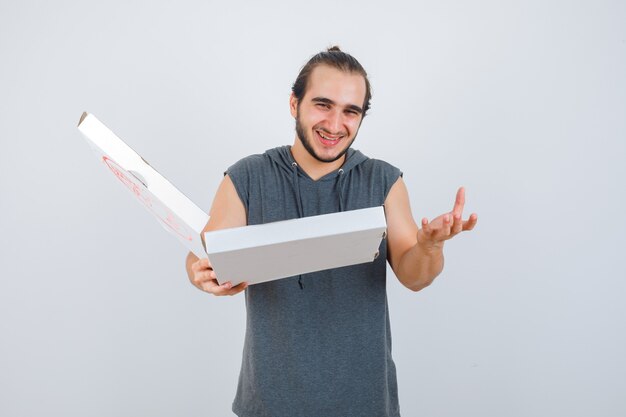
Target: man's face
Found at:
330, 113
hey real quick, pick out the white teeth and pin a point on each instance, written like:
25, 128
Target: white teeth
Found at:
325, 137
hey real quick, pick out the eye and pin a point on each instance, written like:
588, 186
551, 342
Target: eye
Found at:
323, 105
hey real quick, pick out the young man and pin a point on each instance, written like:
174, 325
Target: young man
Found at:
319, 344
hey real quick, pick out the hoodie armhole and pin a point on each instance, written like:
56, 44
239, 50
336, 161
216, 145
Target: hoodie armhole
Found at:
241, 189
393, 176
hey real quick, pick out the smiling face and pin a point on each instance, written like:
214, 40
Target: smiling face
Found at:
330, 113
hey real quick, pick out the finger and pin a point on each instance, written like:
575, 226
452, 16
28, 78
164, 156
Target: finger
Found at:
215, 288
427, 229
469, 224
228, 289
457, 226
208, 286
447, 224
204, 263
459, 203
201, 264
204, 276
236, 289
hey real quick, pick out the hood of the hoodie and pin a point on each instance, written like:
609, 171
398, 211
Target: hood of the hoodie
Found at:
282, 157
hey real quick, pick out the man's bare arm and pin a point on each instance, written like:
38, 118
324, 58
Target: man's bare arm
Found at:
416, 255
227, 211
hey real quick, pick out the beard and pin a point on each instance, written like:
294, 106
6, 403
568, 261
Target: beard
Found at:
306, 142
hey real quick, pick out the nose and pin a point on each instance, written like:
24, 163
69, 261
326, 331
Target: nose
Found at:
336, 121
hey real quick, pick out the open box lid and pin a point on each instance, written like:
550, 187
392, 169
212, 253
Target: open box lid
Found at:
173, 210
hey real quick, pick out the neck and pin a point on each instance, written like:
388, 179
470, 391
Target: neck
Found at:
314, 168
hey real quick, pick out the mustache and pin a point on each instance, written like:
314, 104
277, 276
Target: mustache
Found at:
324, 130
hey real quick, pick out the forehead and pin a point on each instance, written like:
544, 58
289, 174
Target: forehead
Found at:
340, 86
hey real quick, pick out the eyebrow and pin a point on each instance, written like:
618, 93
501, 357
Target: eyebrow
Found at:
329, 101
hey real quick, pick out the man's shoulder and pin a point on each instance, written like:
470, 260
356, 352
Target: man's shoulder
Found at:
255, 162
379, 162
378, 165
250, 160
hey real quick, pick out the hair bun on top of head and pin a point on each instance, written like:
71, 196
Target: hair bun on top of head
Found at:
334, 49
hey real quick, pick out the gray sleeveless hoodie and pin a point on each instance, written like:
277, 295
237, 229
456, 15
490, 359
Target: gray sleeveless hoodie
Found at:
319, 344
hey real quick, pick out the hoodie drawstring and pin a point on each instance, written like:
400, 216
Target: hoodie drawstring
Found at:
296, 184
340, 183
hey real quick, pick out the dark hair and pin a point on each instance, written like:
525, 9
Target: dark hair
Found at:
336, 58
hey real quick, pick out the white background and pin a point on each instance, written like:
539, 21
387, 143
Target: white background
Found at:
524, 103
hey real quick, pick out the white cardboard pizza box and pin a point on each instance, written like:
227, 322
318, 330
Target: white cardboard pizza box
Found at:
253, 254
282, 249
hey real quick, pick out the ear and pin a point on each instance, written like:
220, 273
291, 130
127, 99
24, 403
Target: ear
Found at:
293, 105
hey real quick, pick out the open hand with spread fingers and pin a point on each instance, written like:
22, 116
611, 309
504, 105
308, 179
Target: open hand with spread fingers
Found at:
433, 234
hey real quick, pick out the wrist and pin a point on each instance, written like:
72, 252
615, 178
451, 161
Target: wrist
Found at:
430, 248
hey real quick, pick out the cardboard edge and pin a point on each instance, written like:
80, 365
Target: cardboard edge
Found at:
242, 230
382, 235
83, 117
